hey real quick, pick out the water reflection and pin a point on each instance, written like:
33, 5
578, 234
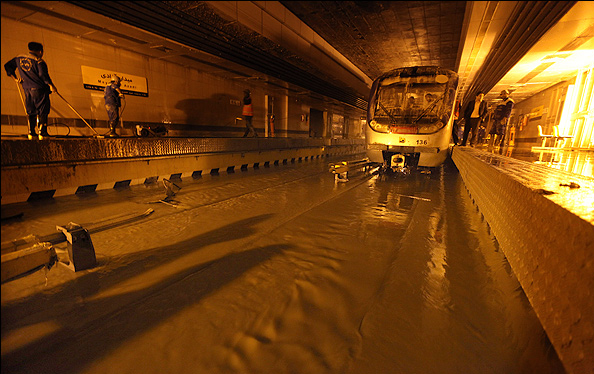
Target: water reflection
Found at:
401, 199
577, 162
563, 176
436, 290
397, 195
449, 302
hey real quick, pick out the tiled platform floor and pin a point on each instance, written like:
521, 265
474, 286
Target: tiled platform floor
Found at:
547, 172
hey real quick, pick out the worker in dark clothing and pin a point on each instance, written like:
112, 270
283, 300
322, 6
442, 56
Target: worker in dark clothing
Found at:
455, 127
500, 119
474, 114
37, 85
113, 101
248, 113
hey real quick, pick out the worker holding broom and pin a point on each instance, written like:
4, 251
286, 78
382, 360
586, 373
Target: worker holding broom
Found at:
113, 101
37, 85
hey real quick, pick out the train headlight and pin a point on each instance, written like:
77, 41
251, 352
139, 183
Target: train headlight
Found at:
430, 129
378, 126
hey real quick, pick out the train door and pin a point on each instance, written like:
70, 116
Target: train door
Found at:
316, 123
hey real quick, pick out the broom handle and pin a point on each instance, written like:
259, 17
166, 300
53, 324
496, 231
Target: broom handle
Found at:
78, 114
21, 96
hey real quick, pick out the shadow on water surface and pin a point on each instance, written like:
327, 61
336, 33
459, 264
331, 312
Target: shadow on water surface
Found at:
112, 320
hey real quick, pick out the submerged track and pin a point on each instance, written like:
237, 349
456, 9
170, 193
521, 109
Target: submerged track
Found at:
278, 270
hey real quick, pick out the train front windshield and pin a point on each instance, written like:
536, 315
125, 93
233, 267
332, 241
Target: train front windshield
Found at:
409, 102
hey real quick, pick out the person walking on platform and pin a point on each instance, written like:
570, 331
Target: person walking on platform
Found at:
248, 113
37, 85
113, 101
500, 118
474, 114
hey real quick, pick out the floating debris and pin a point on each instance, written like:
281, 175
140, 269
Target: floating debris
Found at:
570, 185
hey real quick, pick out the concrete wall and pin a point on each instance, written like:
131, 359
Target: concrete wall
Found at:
546, 231
189, 101
543, 109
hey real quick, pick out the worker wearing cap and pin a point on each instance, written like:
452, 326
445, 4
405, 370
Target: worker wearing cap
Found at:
500, 119
37, 85
113, 101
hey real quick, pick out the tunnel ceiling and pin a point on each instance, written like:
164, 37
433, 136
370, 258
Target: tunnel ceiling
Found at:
378, 36
196, 25
375, 36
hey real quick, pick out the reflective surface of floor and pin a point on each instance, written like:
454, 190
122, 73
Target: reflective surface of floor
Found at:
276, 270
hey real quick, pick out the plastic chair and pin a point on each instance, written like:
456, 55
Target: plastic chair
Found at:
559, 137
544, 136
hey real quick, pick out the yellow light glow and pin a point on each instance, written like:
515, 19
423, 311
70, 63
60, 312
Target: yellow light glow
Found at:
578, 110
577, 60
566, 112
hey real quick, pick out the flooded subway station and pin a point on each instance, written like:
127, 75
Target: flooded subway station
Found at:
416, 194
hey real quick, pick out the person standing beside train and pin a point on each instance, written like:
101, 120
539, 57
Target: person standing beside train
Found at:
473, 115
500, 118
37, 85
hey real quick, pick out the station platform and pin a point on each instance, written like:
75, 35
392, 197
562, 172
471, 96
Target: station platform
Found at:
543, 219
38, 169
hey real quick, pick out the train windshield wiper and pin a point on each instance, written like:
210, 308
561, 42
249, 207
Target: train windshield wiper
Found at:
427, 109
386, 111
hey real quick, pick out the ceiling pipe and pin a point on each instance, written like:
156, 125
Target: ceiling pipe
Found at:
529, 21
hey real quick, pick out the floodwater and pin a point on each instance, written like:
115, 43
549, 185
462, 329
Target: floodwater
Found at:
577, 162
276, 270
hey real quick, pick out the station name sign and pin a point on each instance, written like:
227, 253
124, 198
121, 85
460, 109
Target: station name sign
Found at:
96, 79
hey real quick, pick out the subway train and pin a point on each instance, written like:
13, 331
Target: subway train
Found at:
410, 118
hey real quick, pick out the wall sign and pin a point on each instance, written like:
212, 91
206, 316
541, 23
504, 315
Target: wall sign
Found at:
536, 113
96, 79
